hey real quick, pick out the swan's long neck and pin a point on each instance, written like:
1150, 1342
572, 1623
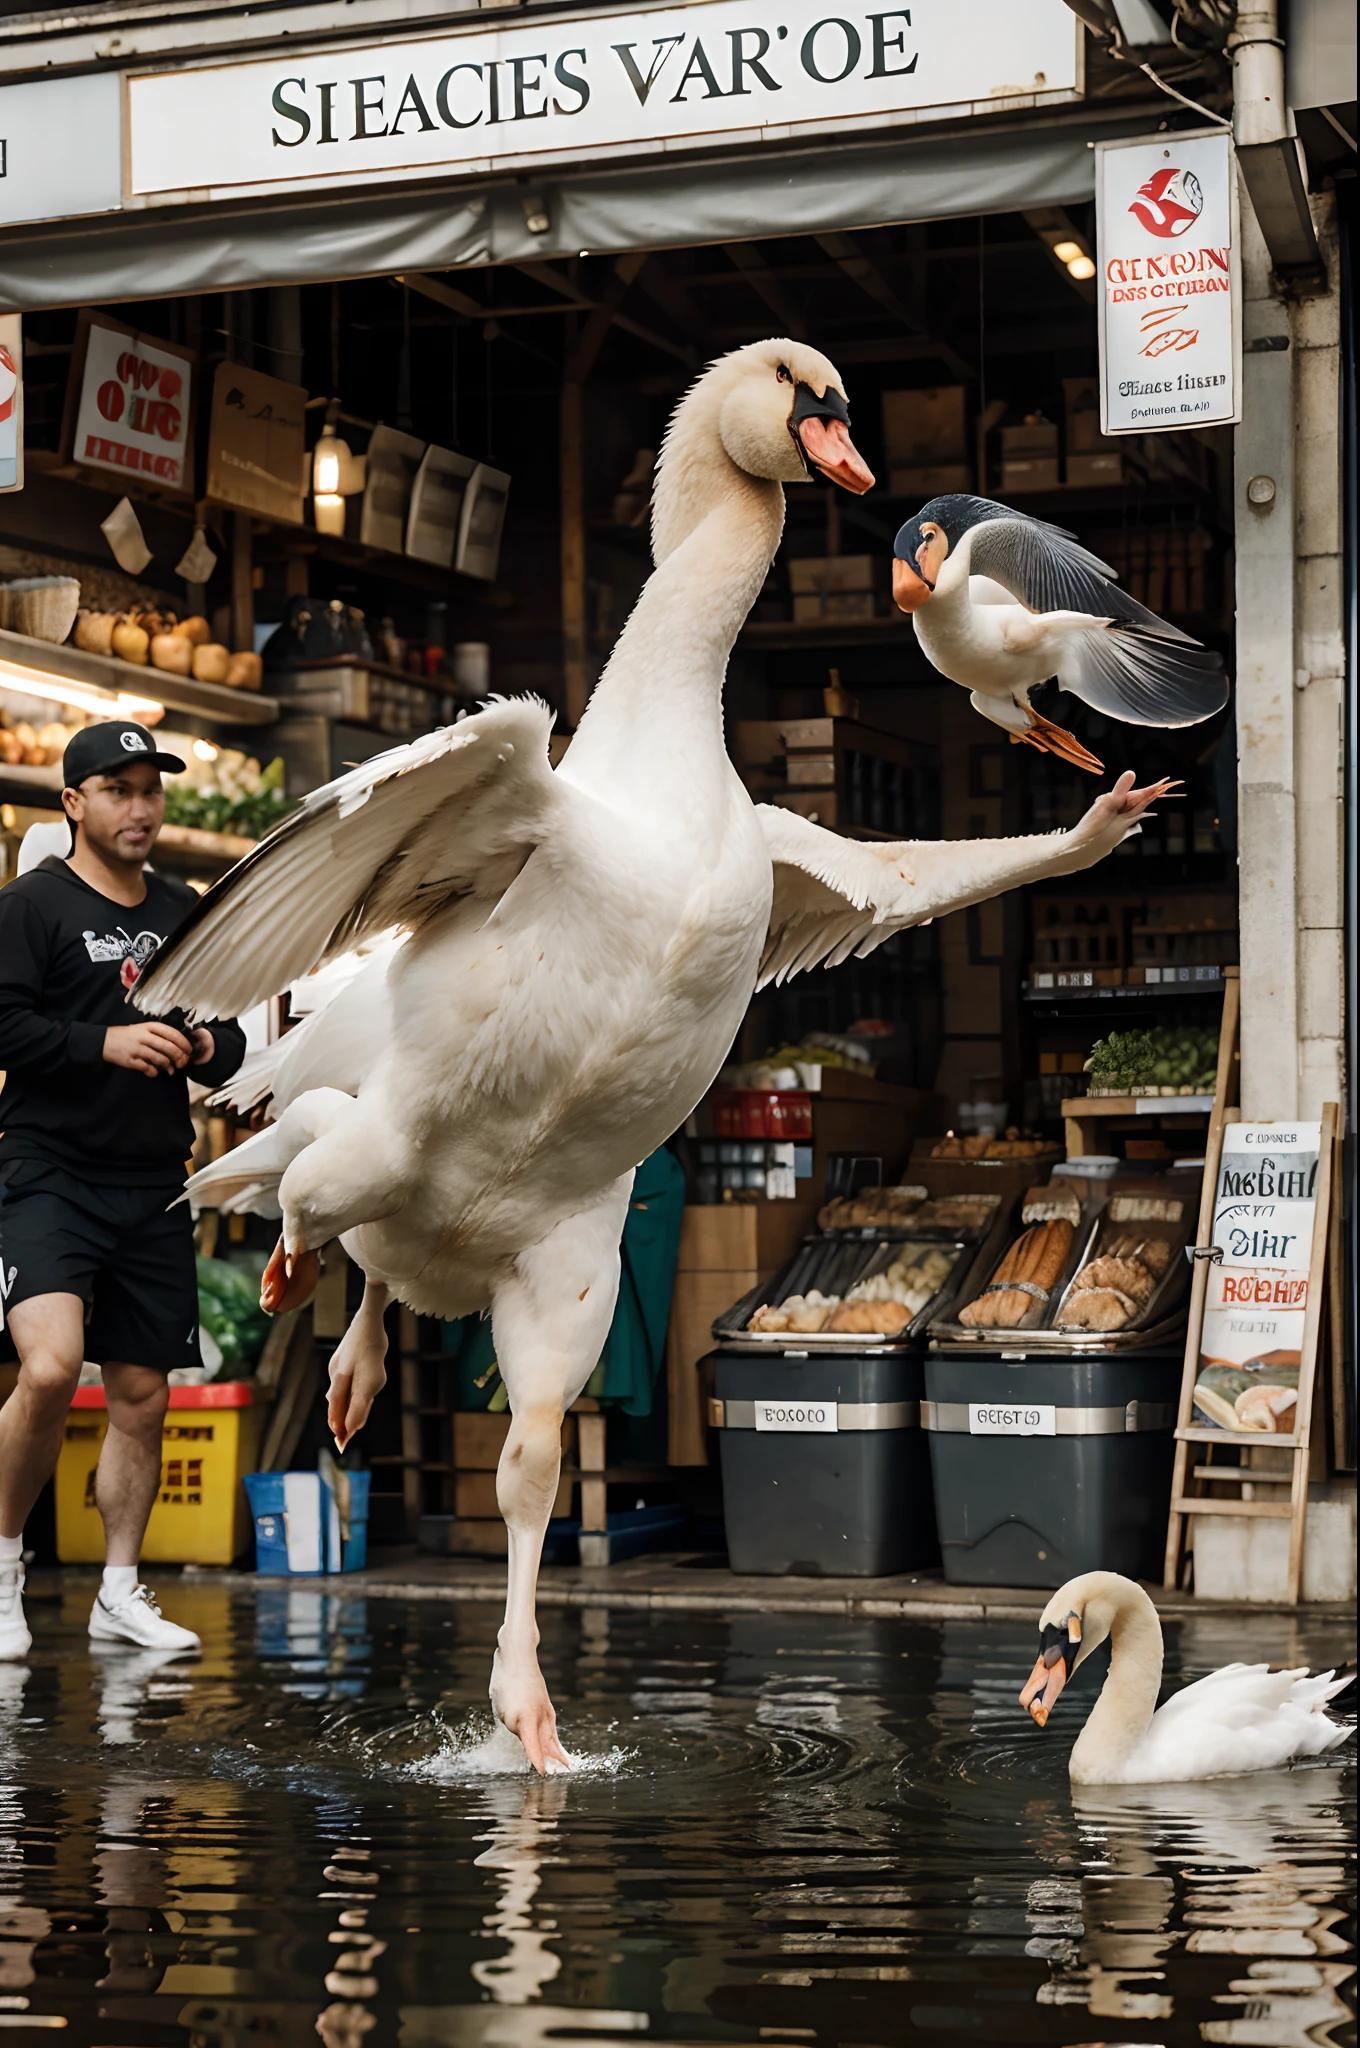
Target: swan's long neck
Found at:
1128, 1699
716, 530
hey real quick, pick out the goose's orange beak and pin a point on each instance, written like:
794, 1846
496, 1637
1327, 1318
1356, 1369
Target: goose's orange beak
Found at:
828, 447
910, 591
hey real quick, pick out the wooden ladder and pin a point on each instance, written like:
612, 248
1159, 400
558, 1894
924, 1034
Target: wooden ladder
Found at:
1191, 1482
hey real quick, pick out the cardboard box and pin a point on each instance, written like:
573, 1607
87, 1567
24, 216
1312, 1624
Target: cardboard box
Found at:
1029, 473
932, 480
832, 605
818, 573
1081, 415
256, 443
1033, 437
922, 427
1106, 467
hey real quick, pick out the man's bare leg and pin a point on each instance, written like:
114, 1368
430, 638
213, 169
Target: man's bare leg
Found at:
125, 1487
129, 1474
49, 1336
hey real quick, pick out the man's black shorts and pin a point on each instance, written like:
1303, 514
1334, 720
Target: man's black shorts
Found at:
124, 1251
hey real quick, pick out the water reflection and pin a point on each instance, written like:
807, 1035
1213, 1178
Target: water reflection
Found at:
789, 1829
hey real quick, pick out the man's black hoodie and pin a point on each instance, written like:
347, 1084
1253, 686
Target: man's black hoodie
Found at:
68, 956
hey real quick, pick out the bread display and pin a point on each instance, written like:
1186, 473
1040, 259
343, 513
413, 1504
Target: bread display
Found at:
804, 1313
871, 1208
1126, 1276
1026, 1275
981, 1146
962, 1215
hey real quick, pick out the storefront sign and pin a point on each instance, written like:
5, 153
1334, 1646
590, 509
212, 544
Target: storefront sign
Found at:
1170, 283
11, 402
61, 151
650, 78
994, 1418
1251, 1345
132, 412
797, 1418
257, 450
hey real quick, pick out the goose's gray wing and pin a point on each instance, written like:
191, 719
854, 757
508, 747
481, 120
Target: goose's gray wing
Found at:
1130, 676
1048, 570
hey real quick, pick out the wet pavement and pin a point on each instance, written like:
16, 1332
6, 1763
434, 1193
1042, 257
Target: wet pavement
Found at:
785, 1828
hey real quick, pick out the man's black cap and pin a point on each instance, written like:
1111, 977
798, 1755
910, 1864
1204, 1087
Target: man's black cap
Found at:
114, 742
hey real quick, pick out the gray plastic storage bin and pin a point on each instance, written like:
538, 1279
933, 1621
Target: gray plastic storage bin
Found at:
1034, 1510
850, 1503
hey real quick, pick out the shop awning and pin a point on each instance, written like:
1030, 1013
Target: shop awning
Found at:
667, 205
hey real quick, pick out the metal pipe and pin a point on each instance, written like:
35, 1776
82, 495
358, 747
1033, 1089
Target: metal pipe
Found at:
1259, 113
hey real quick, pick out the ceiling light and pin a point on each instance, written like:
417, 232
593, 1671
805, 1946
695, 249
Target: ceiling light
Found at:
36, 682
1066, 251
205, 750
1081, 267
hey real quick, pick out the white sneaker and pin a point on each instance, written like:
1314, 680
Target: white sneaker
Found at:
138, 1620
15, 1640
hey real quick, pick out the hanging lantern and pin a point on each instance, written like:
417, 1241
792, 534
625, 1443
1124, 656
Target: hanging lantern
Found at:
337, 474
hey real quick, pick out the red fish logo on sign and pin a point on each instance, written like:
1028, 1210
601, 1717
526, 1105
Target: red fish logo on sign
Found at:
1169, 203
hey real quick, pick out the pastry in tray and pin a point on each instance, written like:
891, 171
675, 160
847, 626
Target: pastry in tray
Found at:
873, 1318
1027, 1274
915, 1277
1117, 1284
885, 1208
959, 1213
803, 1313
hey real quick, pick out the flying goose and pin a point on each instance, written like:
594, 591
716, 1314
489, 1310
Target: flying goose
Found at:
1001, 602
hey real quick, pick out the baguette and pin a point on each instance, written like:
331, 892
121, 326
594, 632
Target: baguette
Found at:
1031, 1265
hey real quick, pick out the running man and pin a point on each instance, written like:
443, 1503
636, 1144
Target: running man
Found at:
94, 1136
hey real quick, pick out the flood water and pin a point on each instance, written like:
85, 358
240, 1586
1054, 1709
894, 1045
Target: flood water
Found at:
785, 1829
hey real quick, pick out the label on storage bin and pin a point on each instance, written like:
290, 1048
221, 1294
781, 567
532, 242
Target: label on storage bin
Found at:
1004, 1418
796, 1417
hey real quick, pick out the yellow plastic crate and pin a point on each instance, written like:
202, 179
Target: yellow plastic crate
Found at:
210, 1440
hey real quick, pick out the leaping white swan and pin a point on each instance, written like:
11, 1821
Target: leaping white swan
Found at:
1245, 1717
580, 949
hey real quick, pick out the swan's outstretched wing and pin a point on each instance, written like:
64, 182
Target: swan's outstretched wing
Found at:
1048, 570
380, 849
834, 897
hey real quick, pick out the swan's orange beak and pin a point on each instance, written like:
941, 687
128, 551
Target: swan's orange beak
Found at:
1045, 1682
828, 447
1058, 1653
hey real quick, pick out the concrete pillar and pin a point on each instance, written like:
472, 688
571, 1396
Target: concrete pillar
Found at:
1319, 687
1290, 660
1263, 455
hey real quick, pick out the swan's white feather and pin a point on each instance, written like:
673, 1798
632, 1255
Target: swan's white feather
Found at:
1242, 1718
384, 847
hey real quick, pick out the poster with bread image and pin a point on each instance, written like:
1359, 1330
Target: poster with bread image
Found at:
1251, 1344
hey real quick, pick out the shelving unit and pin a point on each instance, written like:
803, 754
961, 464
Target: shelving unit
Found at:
25, 663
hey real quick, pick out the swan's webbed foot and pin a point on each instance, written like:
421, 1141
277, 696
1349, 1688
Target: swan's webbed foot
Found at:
358, 1370
519, 1699
288, 1281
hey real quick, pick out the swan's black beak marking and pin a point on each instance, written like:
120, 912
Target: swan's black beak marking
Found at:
821, 433
1059, 1648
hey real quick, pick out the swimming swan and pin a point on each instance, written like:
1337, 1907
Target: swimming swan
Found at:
1245, 1717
